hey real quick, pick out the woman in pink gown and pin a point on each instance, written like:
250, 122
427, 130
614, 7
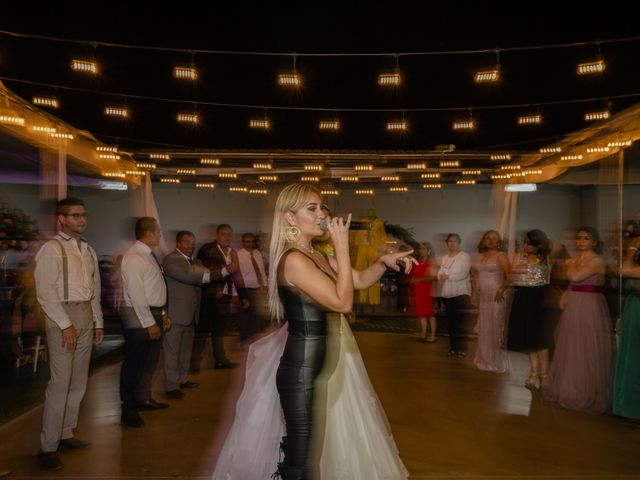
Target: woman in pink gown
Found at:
490, 284
581, 372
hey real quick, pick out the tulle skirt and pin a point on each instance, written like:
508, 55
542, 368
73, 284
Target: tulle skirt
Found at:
351, 433
581, 372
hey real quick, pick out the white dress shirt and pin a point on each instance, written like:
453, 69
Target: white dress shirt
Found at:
83, 279
142, 282
457, 267
247, 270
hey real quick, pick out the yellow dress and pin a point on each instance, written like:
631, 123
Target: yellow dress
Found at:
370, 243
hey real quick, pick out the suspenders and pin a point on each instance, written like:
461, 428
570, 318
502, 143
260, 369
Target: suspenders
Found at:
65, 268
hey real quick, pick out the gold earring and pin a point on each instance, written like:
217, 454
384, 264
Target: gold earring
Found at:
291, 233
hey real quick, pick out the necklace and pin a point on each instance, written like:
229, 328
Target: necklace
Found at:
311, 251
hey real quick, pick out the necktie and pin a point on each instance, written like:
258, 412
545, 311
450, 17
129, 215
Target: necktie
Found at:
257, 270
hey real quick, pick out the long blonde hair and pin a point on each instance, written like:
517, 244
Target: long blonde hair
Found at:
291, 199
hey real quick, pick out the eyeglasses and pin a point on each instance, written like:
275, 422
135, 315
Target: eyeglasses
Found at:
76, 216
583, 237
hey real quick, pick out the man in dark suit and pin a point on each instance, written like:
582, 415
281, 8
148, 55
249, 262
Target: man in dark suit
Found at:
185, 277
219, 298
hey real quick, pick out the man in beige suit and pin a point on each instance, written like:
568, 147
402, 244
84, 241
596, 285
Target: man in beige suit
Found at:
185, 277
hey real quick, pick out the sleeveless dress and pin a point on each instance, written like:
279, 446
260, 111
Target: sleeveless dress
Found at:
351, 438
491, 353
529, 327
626, 386
581, 372
423, 291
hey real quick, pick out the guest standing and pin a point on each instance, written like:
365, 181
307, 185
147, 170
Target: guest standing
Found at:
528, 322
490, 283
422, 279
185, 277
254, 275
67, 282
456, 291
143, 320
626, 387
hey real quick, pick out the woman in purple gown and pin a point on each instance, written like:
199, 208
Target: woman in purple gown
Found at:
581, 372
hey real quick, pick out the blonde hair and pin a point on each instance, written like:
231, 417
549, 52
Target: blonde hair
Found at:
291, 199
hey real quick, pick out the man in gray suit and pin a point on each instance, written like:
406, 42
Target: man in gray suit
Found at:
185, 277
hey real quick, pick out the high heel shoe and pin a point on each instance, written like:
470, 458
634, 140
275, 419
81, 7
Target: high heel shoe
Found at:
532, 382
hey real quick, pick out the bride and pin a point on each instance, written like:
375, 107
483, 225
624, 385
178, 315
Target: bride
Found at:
284, 394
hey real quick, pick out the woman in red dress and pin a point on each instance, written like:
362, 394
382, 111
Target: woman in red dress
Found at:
422, 278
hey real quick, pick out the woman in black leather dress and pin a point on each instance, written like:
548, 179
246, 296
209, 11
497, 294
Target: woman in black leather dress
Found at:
304, 286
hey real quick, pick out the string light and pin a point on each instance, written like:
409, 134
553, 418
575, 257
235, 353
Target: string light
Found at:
160, 156
205, 185
188, 73
364, 191
432, 186
397, 126
41, 128
188, 118
390, 178
500, 156
45, 102
106, 148
262, 166
622, 143
258, 191
597, 149
529, 119
109, 156
449, 163
597, 115
135, 172
230, 175
487, 76
186, 171
501, 176
350, 178
268, 178
114, 174
209, 161
466, 182
169, 180
309, 178
116, 112
399, 189
264, 123
571, 157
430, 175
417, 166
12, 120
551, 150
148, 166
84, 66
65, 136
464, 125
510, 167
363, 168
532, 172
472, 172
313, 167
238, 189
328, 191
289, 80
329, 125
389, 79
591, 67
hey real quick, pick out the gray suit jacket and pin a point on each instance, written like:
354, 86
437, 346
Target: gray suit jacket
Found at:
184, 284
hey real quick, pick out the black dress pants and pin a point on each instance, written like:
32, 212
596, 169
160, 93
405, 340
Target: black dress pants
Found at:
456, 310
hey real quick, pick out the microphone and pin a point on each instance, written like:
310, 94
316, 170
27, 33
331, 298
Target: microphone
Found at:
323, 225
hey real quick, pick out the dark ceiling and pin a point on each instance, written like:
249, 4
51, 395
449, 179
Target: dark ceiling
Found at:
538, 77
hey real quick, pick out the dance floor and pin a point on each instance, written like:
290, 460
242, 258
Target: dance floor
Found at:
450, 421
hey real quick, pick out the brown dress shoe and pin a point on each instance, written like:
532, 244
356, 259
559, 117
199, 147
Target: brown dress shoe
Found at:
50, 461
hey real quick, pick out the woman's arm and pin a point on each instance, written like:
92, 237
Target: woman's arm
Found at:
503, 262
578, 272
301, 272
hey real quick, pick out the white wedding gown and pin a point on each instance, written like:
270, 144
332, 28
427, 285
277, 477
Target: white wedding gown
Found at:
357, 443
